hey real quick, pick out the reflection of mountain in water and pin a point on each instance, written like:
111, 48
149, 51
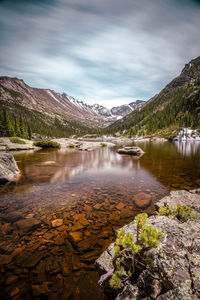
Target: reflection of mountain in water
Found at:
171, 166
105, 167
188, 148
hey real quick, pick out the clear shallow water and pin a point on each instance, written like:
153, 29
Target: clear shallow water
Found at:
94, 193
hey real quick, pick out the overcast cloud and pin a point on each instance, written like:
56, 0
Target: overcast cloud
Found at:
105, 51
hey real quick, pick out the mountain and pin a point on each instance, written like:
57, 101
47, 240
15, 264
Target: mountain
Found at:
54, 113
177, 105
126, 109
117, 112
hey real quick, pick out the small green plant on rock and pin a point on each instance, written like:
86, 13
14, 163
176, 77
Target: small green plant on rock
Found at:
129, 249
181, 212
71, 145
103, 145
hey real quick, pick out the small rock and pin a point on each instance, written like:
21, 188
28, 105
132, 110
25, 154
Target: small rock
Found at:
14, 292
40, 289
120, 205
6, 228
57, 222
142, 200
76, 236
11, 279
5, 259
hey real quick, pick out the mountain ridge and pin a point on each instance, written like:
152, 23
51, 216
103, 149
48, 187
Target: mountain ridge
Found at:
177, 105
48, 111
42, 100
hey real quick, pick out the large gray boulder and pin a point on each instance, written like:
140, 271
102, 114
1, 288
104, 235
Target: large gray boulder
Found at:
175, 273
131, 151
9, 170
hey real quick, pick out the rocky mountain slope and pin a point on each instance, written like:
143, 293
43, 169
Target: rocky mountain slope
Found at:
177, 105
15, 91
117, 112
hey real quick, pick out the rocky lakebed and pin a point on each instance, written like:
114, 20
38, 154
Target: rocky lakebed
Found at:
57, 231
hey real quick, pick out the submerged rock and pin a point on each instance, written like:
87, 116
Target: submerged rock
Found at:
131, 151
28, 225
57, 222
142, 200
175, 271
9, 170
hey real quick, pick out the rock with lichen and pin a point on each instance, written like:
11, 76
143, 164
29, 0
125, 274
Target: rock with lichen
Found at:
174, 269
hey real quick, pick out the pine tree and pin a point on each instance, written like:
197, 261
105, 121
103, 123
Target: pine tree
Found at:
17, 127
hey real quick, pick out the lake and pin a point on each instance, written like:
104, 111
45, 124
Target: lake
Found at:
88, 195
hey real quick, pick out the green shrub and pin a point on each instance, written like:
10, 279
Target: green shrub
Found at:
103, 145
125, 248
46, 144
71, 145
181, 212
16, 140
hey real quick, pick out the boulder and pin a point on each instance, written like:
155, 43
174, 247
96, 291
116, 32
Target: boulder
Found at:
175, 271
9, 170
131, 151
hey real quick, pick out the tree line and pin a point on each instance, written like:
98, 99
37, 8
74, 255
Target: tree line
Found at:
13, 127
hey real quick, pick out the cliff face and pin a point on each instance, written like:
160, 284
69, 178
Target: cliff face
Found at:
175, 271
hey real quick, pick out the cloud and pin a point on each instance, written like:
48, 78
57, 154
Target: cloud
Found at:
108, 52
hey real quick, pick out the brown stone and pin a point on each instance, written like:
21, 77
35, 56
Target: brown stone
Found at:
11, 279
142, 200
126, 213
6, 228
90, 256
5, 259
76, 236
12, 216
78, 216
48, 235
40, 289
84, 245
59, 240
120, 205
62, 228
52, 265
28, 225
87, 208
27, 259
57, 222
14, 292
98, 206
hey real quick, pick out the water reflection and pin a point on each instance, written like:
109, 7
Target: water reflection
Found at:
187, 148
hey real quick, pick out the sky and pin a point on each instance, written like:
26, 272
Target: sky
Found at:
110, 52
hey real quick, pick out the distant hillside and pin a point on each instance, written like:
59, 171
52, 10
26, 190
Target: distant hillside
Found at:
53, 114
177, 105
